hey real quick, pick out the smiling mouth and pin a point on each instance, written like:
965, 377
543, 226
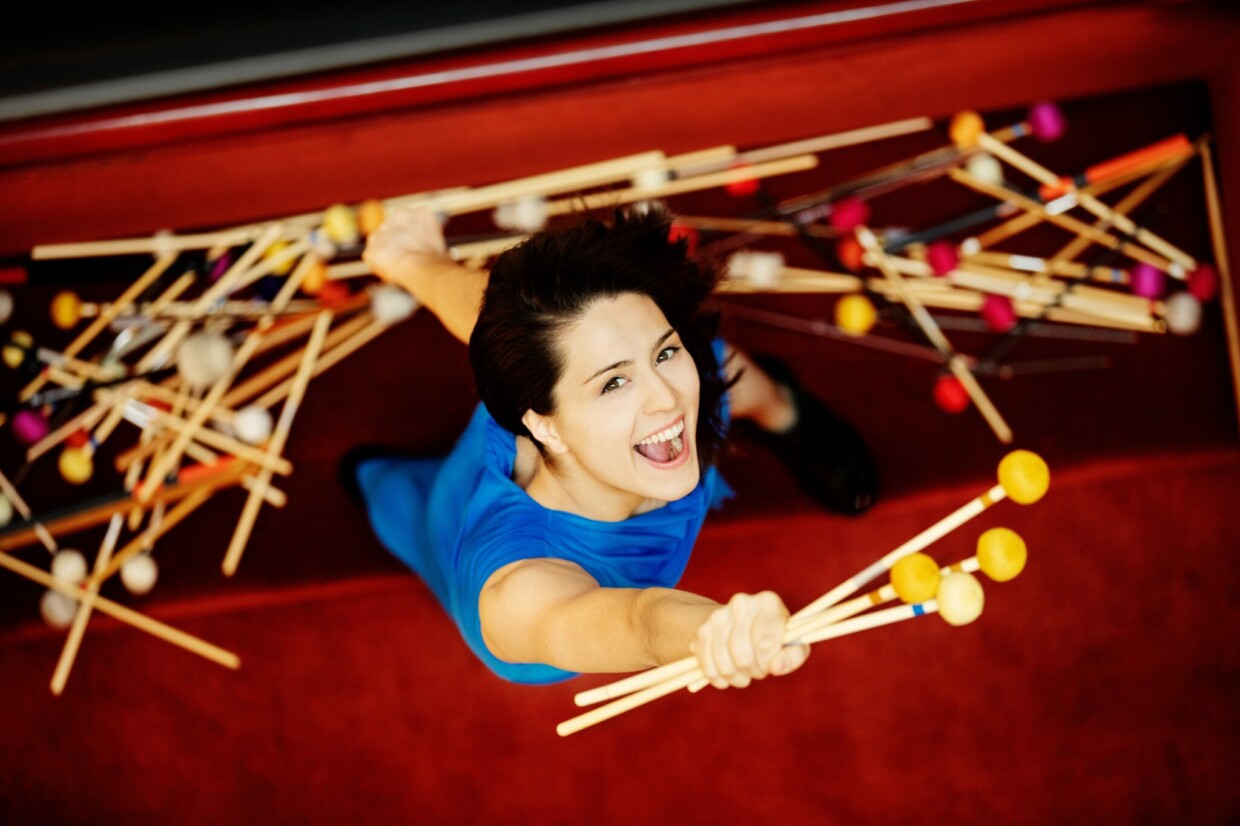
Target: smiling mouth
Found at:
665, 446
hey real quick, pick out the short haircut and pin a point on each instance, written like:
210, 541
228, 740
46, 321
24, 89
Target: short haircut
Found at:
541, 286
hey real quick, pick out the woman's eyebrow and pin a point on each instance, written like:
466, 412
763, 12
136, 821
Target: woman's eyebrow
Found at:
606, 369
670, 332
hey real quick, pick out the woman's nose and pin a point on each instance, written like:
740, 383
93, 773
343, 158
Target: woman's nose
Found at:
659, 395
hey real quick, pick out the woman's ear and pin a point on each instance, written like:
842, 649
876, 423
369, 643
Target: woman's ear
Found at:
543, 430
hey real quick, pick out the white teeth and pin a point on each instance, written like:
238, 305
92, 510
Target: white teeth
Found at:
662, 436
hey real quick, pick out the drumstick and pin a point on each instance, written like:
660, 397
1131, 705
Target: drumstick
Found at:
1073, 296
154, 244
86, 603
1218, 236
958, 298
171, 519
955, 363
162, 464
1000, 570
82, 421
1156, 167
10, 493
126, 615
1023, 476
550, 183
1008, 195
796, 280
1130, 202
823, 143
710, 180
242, 392
1043, 267
86, 336
328, 359
640, 698
1113, 217
213, 438
79, 516
275, 445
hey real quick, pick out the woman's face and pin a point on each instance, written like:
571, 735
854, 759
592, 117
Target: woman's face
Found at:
626, 408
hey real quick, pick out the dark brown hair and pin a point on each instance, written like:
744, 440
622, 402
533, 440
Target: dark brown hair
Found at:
541, 286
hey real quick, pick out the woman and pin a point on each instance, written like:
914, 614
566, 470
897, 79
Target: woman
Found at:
556, 529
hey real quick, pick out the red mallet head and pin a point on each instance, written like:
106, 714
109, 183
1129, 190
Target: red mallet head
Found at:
1046, 121
848, 251
333, 293
998, 313
849, 213
1147, 281
744, 186
689, 235
78, 438
950, 395
29, 426
942, 257
1203, 282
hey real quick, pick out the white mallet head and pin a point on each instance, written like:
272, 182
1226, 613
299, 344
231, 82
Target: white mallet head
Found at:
57, 609
960, 598
203, 358
69, 565
390, 304
138, 574
253, 424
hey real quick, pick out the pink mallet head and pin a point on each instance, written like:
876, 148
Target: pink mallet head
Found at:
1046, 121
1147, 281
29, 426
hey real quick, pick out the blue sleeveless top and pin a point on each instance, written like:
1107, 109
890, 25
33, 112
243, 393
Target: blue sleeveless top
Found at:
457, 520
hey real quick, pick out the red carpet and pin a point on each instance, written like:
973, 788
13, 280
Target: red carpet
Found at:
1100, 686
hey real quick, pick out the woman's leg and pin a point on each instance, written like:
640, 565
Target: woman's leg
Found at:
755, 395
825, 454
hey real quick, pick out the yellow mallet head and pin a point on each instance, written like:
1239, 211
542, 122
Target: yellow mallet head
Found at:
1001, 554
915, 578
1024, 476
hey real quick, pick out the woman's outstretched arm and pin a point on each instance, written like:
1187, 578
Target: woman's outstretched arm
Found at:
552, 611
409, 250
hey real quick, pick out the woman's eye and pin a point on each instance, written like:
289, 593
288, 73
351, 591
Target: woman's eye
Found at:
614, 384
665, 354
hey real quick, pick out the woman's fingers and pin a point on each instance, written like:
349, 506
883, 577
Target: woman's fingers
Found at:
404, 236
790, 659
743, 641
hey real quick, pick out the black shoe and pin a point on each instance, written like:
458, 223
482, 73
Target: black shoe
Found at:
825, 454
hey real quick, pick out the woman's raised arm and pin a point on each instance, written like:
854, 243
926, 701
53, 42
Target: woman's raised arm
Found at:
409, 250
551, 611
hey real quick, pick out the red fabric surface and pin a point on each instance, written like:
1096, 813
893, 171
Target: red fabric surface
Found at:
1099, 686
